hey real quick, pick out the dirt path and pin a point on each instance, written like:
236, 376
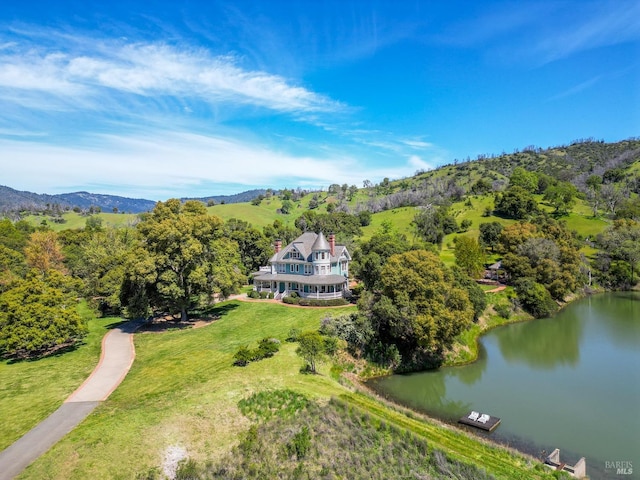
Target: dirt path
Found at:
116, 359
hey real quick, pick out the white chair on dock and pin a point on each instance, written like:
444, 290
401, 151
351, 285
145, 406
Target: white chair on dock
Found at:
484, 418
474, 416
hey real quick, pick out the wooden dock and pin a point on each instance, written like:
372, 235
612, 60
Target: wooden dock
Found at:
482, 421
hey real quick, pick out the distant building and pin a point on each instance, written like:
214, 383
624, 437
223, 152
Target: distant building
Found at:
311, 266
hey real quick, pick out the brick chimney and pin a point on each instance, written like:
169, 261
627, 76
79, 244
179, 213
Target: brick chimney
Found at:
278, 245
332, 244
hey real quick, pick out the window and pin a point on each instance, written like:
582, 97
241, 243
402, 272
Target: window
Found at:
324, 270
308, 269
317, 270
294, 253
323, 255
281, 267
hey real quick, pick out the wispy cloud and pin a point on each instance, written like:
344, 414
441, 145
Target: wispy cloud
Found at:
160, 164
542, 32
577, 88
149, 70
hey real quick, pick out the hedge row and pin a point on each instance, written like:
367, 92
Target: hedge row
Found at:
314, 302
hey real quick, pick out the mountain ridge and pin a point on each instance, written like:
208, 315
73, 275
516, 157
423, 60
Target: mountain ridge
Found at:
12, 200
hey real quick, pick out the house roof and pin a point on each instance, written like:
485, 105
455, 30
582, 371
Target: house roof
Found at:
320, 243
304, 279
305, 244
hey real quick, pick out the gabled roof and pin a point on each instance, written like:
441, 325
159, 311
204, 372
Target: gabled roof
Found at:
306, 243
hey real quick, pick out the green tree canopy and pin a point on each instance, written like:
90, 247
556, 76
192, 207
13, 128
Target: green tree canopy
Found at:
311, 347
190, 257
38, 316
420, 309
516, 202
470, 256
524, 179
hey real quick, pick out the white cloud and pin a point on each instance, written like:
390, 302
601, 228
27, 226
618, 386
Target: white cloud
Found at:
150, 70
162, 164
417, 163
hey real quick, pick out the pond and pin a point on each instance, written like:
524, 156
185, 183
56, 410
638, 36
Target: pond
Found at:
570, 382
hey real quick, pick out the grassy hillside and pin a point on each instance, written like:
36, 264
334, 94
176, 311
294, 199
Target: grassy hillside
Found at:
74, 220
183, 392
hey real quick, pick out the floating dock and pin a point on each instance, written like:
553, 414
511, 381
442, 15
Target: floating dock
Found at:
479, 420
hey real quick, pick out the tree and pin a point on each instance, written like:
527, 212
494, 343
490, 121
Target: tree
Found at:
310, 348
490, 234
621, 241
524, 179
286, 207
43, 252
516, 202
433, 223
419, 309
470, 256
535, 298
191, 259
561, 196
38, 316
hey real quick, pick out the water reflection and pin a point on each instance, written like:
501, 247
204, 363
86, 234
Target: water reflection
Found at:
570, 382
543, 344
621, 313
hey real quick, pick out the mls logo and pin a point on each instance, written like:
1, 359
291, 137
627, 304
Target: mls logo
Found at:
621, 468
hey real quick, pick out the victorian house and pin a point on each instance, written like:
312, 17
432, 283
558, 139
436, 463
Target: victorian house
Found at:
312, 266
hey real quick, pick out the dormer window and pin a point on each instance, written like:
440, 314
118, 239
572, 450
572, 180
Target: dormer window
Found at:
294, 254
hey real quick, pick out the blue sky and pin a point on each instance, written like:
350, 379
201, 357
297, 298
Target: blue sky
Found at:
193, 98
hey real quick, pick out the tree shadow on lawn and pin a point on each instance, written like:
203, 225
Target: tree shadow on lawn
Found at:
199, 318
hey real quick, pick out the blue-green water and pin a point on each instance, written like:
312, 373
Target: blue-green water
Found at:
570, 382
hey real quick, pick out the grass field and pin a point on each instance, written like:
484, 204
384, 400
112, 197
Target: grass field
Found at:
183, 391
31, 390
74, 220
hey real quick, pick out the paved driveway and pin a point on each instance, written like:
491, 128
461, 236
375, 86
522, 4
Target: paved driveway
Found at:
116, 359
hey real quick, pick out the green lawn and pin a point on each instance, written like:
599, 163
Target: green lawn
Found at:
257, 215
183, 391
75, 221
31, 390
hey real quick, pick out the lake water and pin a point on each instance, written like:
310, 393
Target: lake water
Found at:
570, 382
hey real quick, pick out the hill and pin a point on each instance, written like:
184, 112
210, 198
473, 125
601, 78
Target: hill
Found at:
12, 200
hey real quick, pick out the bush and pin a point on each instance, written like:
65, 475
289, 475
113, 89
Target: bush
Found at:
503, 310
315, 302
267, 347
242, 357
270, 295
294, 333
535, 298
253, 294
291, 300
294, 295
300, 444
264, 295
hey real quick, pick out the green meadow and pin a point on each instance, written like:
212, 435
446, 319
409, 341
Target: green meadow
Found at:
183, 391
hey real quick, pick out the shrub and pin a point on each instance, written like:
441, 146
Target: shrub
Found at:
291, 300
264, 295
535, 298
267, 347
300, 444
503, 310
294, 295
315, 302
253, 294
270, 295
242, 357
293, 335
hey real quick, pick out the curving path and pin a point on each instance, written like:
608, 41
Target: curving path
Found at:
116, 359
